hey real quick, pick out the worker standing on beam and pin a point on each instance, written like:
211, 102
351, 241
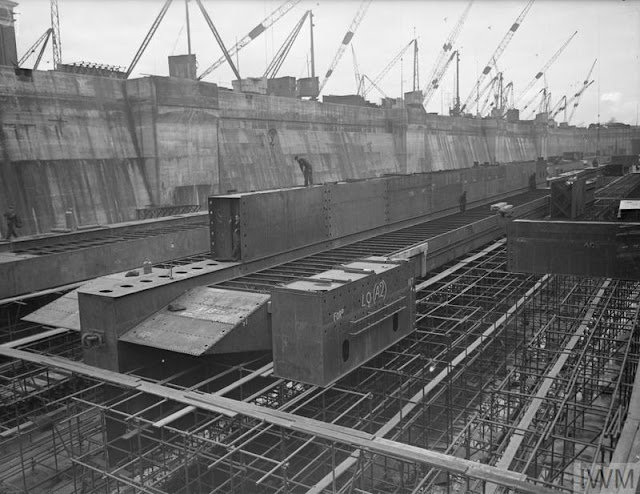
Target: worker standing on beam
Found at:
306, 169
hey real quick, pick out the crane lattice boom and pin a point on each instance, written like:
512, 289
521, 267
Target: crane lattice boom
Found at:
545, 68
44, 38
253, 34
147, 38
282, 53
499, 50
388, 67
345, 41
444, 59
578, 95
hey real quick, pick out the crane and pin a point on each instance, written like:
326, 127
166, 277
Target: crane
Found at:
560, 105
444, 59
500, 96
488, 86
55, 26
499, 50
282, 53
416, 71
388, 67
156, 24
372, 83
533, 99
213, 29
147, 38
43, 39
362, 10
579, 94
544, 69
253, 34
568, 102
356, 71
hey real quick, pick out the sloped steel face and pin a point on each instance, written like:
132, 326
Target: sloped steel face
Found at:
207, 320
589, 249
327, 325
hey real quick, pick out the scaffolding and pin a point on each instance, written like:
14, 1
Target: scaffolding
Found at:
523, 372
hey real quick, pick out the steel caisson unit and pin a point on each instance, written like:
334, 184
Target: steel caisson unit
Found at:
328, 324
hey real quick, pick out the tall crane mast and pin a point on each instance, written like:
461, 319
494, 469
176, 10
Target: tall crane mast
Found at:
345, 41
579, 94
253, 34
444, 59
416, 71
273, 68
544, 69
386, 70
56, 42
499, 50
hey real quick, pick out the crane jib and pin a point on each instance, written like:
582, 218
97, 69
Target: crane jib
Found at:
257, 31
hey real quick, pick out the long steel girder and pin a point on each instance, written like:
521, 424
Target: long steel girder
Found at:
469, 411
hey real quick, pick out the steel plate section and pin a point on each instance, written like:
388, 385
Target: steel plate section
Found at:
356, 206
321, 334
282, 220
409, 196
610, 250
61, 313
200, 319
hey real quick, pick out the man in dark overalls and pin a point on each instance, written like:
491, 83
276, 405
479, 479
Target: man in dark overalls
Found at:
306, 169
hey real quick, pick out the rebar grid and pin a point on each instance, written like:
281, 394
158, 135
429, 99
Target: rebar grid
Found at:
462, 383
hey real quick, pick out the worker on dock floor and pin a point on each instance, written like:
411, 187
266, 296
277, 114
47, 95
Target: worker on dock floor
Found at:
13, 222
306, 169
463, 201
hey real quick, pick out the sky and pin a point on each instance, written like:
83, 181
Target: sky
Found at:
110, 32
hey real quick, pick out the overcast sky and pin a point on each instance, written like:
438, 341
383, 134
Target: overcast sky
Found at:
110, 32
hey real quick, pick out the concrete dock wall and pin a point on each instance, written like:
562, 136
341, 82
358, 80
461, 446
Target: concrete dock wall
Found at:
65, 144
103, 147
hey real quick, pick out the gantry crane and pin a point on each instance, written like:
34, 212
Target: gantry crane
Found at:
362, 10
281, 55
444, 58
544, 69
498, 51
578, 95
388, 67
253, 34
43, 39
